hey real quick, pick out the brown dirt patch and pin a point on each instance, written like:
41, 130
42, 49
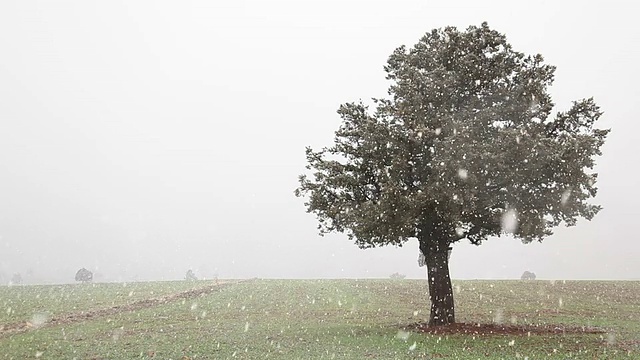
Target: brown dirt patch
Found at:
9, 329
502, 329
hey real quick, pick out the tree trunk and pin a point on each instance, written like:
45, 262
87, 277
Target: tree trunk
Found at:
440, 291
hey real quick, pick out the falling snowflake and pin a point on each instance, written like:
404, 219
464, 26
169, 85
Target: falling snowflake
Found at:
39, 319
510, 221
565, 197
611, 339
403, 335
499, 317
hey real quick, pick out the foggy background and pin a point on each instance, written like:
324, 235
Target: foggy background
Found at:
143, 139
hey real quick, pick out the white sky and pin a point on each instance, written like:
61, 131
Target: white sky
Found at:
140, 139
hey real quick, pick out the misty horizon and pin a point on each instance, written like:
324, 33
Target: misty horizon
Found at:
141, 140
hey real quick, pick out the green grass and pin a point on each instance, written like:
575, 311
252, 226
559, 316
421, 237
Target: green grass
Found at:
326, 319
23, 303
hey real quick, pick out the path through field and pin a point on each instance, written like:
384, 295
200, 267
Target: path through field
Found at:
23, 326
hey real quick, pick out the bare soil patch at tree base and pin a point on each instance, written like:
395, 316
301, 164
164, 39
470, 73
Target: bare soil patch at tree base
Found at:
10, 329
502, 329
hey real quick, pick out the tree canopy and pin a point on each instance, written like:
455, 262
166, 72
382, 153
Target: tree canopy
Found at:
84, 275
466, 137
190, 275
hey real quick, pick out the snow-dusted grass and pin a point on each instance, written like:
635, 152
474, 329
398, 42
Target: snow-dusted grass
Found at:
345, 319
22, 302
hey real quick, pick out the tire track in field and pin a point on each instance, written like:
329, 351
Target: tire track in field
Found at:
72, 318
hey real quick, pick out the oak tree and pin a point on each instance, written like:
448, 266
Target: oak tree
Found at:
464, 147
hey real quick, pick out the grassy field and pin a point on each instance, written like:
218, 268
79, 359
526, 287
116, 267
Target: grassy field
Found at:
320, 319
45, 301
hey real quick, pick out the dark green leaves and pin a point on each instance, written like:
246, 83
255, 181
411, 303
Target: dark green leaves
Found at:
465, 136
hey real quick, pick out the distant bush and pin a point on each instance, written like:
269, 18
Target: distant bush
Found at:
84, 275
16, 279
527, 275
397, 276
190, 276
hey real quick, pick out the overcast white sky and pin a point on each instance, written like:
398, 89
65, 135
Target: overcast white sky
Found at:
142, 138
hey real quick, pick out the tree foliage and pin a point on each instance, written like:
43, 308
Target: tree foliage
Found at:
528, 275
190, 276
466, 135
84, 275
